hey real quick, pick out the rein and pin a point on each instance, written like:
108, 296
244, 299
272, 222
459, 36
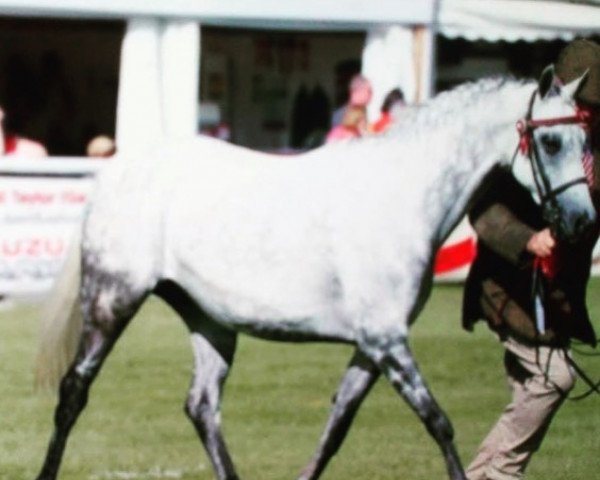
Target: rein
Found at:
593, 387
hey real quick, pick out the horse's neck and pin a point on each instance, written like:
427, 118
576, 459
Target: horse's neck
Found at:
486, 137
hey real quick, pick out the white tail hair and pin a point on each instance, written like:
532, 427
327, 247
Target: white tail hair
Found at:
61, 322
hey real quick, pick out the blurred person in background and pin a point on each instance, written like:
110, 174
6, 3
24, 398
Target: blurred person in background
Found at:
360, 93
101, 146
354, 124
392, 102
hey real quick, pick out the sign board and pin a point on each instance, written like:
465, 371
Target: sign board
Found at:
41, 205
37, 219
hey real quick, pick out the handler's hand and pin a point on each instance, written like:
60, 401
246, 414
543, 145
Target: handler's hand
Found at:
541, 243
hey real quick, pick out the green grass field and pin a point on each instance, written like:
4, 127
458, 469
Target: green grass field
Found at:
275, 406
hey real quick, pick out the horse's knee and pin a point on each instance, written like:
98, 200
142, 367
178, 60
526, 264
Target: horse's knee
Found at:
194, 407
200, 409
405, 376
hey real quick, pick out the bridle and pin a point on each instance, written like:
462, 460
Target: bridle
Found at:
546, 192
547, 195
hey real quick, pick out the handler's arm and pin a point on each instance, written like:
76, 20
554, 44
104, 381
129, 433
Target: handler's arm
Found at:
502, 232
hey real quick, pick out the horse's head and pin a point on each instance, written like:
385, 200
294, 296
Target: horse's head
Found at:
552, 160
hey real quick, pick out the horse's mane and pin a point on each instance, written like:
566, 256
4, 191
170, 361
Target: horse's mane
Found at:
461, 100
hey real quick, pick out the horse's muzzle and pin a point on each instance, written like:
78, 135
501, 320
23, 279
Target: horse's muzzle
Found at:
573, 228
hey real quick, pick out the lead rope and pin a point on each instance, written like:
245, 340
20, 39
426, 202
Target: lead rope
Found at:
592, 387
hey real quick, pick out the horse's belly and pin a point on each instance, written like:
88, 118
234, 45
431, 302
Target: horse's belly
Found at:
319, 328
269, 303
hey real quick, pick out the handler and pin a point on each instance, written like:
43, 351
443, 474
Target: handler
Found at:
17, 146
511, 234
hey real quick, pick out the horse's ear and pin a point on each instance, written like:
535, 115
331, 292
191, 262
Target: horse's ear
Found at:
571, 88
548, 84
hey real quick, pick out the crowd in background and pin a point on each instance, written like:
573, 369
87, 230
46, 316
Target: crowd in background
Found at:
311, 115
350, 120
41, 113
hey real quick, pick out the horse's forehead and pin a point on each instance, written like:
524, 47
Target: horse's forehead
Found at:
553, 107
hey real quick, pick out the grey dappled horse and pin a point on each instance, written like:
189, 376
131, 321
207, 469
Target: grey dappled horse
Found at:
333, 245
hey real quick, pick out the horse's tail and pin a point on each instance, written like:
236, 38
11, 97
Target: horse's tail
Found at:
61, 322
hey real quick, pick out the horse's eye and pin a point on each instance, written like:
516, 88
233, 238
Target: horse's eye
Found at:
551, 144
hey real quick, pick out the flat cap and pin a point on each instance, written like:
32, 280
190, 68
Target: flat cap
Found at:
577, 57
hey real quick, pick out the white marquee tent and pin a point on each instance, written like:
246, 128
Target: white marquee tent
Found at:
160, 53
512, 20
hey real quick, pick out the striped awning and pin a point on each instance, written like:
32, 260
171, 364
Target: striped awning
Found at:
513, 20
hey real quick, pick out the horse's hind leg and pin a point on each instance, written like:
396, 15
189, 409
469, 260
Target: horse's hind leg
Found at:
214, 348
107, 306
396, 361
356, 384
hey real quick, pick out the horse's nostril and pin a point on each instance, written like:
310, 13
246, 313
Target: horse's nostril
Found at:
577, 228
582, 223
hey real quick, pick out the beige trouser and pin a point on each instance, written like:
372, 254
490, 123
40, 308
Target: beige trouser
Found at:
540, 378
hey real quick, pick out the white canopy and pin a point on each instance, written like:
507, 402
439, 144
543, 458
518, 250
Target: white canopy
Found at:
160, 56
357, 15
513, 20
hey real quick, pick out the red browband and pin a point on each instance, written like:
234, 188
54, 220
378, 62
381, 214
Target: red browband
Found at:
583, 116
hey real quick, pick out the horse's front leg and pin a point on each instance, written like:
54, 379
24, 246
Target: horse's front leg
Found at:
392, 355
354, 387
